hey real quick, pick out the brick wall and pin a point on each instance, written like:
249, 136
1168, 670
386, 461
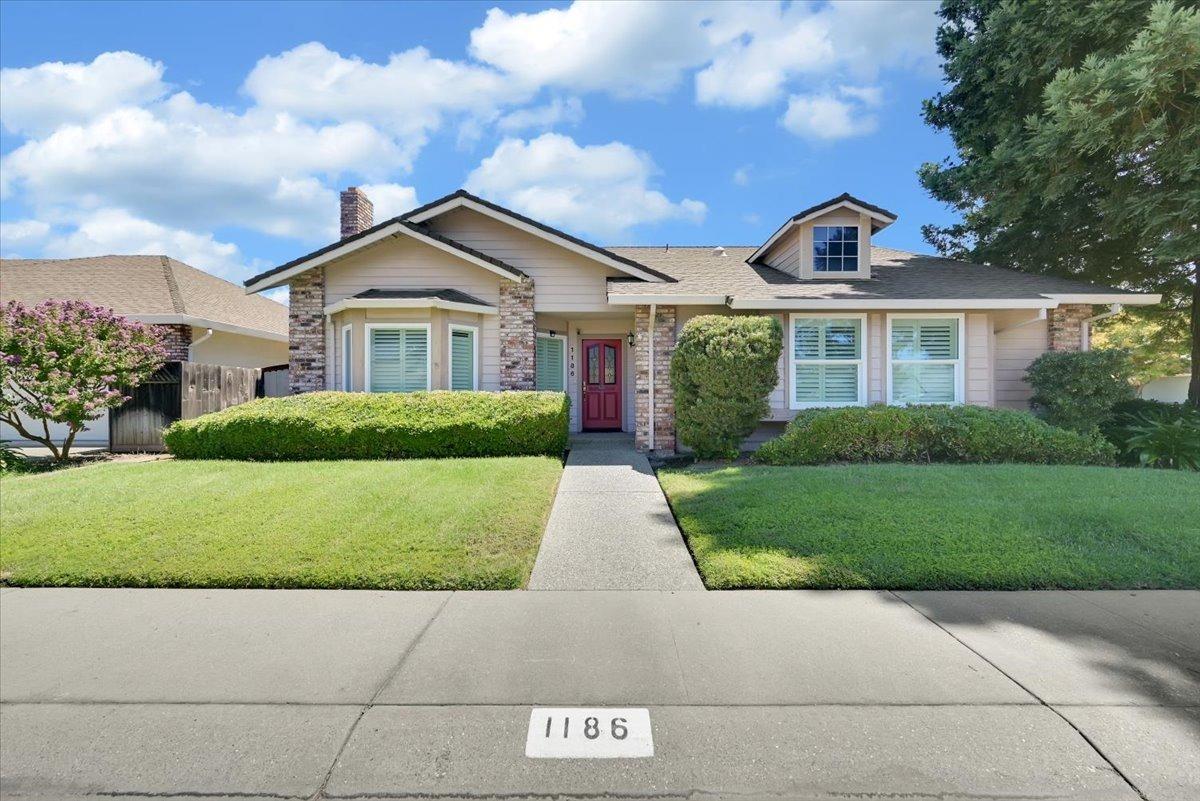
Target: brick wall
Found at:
663, 338
306, 331
1065, 324
176, 338
518, 335
358, 213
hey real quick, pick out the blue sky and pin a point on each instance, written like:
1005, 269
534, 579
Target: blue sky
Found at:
220, 132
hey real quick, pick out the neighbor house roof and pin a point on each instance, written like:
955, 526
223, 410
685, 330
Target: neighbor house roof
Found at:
152, 289
898, 280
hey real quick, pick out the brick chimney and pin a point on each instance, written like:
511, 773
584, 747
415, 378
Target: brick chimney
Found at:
358, 214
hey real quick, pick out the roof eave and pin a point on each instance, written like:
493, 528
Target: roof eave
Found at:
203, 322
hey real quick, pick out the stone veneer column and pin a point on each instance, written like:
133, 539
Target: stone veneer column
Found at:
518, 335
1065, 325
176, 338
663, 337
306, 331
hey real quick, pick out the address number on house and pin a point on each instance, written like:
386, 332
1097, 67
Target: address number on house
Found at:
581, 733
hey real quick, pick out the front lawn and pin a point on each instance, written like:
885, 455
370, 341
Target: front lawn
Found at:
419, 524
940, 526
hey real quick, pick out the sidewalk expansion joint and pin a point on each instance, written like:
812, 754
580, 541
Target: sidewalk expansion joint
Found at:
1094, 746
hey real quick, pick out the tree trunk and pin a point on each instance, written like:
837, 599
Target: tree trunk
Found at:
1194, 384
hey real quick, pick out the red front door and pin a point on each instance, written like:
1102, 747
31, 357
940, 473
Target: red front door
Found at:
602, 384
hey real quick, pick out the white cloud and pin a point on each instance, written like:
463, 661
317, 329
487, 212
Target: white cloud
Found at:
598, 190
867, 95
556, 112
827, 116
390, 200
21, 234
741, 176
35, 100
108, 231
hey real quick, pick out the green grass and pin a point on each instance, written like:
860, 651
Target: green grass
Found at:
940, 526
420, 524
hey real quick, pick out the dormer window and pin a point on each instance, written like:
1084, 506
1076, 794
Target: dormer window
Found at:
835, 249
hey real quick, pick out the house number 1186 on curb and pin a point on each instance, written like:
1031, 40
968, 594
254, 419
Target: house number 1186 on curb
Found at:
581, 733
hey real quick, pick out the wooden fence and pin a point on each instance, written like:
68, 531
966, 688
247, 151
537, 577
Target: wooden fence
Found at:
178, 391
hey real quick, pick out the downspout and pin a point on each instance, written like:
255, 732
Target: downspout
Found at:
1086, 325
196, 342
653, 308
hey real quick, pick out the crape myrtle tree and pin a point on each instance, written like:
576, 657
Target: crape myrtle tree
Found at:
68, 362
1076, 127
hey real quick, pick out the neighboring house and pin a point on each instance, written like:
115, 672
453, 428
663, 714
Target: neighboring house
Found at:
203, 318
1171, 389
464, 294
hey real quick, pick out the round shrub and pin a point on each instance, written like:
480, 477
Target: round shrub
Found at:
930, 434
722, 370
359, 425
1078, 389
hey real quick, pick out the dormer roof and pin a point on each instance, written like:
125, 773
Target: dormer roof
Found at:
880, 218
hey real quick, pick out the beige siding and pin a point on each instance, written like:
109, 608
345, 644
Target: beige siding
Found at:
978, 365
876, 357
785, 255
1014, 350
237, 350
793, 252
563, 281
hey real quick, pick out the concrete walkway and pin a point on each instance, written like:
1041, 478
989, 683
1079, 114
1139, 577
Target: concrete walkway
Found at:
797, 695
610, 527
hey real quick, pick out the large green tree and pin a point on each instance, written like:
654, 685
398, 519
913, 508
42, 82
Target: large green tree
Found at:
1077, 131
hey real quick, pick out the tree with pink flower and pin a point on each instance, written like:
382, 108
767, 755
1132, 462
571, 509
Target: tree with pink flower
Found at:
69, 362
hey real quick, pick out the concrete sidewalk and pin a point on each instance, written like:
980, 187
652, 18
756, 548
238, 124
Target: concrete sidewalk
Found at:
610, 527
804, 695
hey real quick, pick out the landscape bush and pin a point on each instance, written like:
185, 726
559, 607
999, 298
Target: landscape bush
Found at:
356, 425
1155, 433
722, 370
1078, 389
931, 434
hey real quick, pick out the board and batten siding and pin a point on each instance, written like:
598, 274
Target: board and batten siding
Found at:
403, 263
563, 281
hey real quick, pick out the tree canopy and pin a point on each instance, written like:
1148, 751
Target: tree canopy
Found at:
1077, 131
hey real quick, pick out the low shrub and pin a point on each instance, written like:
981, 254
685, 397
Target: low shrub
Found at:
357, 425
1078, 389
930, 434
1155, 433
722, 370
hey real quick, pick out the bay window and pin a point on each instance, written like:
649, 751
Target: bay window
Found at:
826, 365
925, 362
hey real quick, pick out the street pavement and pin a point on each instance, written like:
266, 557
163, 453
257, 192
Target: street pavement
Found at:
798, 695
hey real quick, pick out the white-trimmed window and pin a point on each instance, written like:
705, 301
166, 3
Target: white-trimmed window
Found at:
925, 358
347, 350
835, 248
827, 365
550, 363
397, 357
464, 357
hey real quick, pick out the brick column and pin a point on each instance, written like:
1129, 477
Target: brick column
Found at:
306, 331
1066, 326
176, 338
518, 335
663, 338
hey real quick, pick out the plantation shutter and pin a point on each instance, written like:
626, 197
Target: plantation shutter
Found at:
399, 359
548, 362
462, 359
818, 343
924, 354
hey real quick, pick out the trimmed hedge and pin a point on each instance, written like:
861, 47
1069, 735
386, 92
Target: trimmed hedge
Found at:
722, 371
930, 434
358, 425
1078, 389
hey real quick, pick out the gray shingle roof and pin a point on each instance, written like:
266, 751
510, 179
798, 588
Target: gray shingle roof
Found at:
141, 285
452, 295
895, 275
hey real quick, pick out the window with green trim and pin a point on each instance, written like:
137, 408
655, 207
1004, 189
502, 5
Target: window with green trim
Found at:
550, 363
926, 360
462, 358
827, 361
398, 359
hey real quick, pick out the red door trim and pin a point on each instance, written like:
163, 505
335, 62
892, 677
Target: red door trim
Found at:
602, 399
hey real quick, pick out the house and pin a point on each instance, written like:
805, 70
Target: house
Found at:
462, 293
203, 318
